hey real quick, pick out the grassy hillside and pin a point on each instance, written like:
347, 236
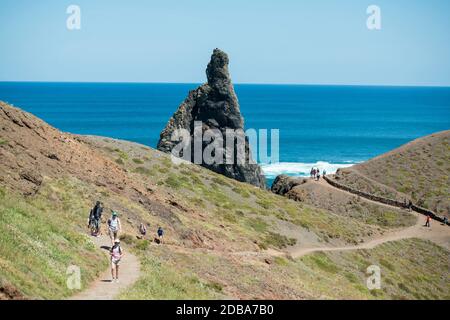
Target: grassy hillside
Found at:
223, 238
410, 269
322, 195
230, 209
419, 170
40, 238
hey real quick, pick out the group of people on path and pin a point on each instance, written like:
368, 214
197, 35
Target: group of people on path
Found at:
114, 229
315, 173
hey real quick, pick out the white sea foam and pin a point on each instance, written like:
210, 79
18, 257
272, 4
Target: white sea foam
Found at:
300, 169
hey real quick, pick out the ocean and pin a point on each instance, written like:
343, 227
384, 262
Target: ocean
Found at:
320, 126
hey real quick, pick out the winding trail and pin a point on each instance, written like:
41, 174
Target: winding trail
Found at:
103, 288
437, 233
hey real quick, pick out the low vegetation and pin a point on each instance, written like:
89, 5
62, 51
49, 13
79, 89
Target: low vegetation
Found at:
40, 238
418, 170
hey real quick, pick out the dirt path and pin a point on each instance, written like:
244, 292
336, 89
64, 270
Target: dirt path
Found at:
103, 288
438, 233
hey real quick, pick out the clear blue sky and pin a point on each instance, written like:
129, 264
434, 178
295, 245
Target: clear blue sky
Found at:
277, 41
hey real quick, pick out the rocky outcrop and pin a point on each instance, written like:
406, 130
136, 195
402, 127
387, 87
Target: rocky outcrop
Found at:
216, 106
283, 184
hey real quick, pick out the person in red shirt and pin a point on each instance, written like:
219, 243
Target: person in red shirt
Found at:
427, 223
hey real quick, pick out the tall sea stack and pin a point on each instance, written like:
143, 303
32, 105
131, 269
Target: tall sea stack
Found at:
214, 104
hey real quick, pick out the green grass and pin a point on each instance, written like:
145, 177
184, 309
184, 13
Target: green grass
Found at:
277, 240
138, 161
410, 269
173, 181
122, 154
39, 240
160, 280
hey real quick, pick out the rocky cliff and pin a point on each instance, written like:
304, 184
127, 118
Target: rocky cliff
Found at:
214, 104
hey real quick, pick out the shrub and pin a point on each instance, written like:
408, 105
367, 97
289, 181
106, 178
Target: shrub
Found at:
143, 245
173, 181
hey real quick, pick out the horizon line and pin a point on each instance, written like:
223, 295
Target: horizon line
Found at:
237, 83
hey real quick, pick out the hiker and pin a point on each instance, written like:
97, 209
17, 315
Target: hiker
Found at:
91, 222
160, 233
97, 213
427, 223
116, 254
313, 173
445, 221
324, 173
318, 176
143, 229
114, 227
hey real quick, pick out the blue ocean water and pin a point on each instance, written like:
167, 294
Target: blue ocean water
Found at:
321, 126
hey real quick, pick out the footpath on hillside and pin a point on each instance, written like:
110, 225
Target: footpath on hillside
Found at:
437, 233
103, 288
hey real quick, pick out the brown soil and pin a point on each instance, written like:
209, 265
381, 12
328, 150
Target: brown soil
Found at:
30, 150
103, 288
419, 170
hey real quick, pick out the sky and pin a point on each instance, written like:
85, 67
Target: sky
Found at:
276, 41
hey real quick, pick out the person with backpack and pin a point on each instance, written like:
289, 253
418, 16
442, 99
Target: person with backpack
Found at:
114, 227
91, 220
116, 253
160, 233
142, 229
97, 213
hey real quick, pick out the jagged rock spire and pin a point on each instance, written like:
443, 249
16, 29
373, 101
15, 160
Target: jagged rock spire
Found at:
215, 104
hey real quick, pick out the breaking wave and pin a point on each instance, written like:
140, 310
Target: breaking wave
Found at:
300, 169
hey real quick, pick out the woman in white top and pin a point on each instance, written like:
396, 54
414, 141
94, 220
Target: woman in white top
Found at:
116, 254
114, 227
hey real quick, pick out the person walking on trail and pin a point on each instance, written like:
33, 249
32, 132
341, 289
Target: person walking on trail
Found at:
142, 229
428, 221
91, 222
97, 212
324, 173
114, 227
116, 253
312, 173
160, 233
445, 221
